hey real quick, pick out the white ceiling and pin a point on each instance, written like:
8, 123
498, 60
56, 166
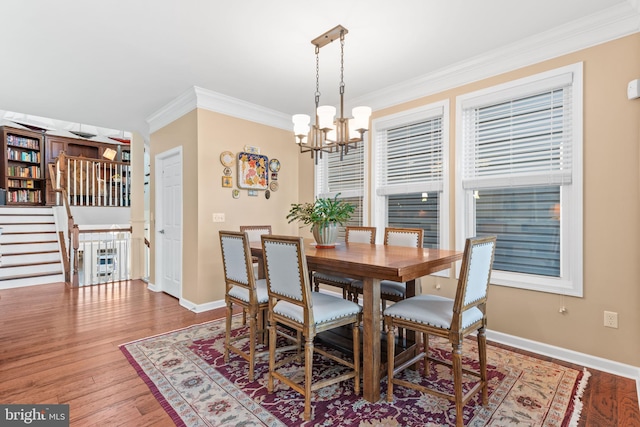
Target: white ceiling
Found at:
115, 63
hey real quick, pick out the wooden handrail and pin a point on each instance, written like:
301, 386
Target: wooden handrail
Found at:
59, 165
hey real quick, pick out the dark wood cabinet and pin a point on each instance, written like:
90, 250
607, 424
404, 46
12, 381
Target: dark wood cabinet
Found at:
22, 173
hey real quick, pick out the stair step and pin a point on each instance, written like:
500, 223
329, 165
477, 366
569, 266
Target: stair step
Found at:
28, 247
31, 210
15, 260
31, 280
28, 227
34, 269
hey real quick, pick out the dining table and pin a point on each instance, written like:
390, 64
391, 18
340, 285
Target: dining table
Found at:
372, 263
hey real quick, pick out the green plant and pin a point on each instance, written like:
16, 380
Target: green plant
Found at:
322, 212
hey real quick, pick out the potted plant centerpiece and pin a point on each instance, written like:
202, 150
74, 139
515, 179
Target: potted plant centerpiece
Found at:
324, 215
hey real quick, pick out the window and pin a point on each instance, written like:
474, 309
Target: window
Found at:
410, 174
344, 177
519, 160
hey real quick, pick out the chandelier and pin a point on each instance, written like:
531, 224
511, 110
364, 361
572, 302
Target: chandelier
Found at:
327, 134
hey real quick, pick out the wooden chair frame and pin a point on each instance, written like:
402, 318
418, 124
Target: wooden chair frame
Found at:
455, 334
303, 300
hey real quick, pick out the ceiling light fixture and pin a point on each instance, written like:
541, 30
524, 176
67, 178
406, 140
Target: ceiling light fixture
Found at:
328, 134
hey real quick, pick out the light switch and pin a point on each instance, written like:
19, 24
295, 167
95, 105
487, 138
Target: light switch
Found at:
218, 217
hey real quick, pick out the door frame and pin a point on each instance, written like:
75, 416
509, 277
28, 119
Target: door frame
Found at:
159, 214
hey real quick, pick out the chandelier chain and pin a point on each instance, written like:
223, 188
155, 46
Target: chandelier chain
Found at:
317, 94
342, 62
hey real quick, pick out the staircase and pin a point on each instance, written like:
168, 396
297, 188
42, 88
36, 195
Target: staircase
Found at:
29, 247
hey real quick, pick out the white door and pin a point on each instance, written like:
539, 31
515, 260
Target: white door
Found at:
169, 222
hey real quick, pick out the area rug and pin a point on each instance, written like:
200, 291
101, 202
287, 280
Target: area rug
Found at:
186, 372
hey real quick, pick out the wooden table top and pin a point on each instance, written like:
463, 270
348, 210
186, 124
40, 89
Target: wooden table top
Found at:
385, 262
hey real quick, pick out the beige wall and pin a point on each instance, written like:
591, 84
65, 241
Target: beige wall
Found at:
217, 133
611, 215
203, 135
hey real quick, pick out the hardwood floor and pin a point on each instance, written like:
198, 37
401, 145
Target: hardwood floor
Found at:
60, 345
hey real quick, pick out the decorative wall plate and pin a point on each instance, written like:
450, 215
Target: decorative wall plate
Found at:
227, 171
236, 193
227, 159
274, 186
274, 165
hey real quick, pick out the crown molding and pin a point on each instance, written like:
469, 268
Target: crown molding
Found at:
197, 97
611, 24
175, 109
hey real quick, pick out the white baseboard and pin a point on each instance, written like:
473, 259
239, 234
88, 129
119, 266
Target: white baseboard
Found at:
586, 360
201, 308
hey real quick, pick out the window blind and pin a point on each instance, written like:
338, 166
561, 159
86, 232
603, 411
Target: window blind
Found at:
410, 158
344, 176
519, 142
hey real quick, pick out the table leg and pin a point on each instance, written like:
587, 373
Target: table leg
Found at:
371, 340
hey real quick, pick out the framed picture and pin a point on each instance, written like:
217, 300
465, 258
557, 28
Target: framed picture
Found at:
227, 181
253, 171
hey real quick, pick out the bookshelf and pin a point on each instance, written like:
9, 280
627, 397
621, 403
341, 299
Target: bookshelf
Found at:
21, 174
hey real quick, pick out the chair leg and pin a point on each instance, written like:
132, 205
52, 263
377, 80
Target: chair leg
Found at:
356, 356
252, 341
482, 350
308, 371
272, 355
456, 354
227, 337
425, 343
390, 360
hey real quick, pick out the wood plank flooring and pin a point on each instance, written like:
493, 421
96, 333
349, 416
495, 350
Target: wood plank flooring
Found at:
60, 345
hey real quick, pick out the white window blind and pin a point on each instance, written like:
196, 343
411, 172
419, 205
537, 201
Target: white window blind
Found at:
526, 139
410, 158
344, 176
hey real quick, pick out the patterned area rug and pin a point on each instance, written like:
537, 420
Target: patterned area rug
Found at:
186, 372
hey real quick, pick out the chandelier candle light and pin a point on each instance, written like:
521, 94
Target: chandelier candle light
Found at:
328, 134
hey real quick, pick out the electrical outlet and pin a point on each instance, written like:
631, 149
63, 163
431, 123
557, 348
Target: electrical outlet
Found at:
610, 319
218, 217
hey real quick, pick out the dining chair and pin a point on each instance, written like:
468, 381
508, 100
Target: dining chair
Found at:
353, 234
254, 232
293, 305
243, 290
452, 319
390, 290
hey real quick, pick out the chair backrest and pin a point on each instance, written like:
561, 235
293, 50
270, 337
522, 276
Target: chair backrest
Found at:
475, 274
411, 237
255, 231
286, 270
236, 259
360, 234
